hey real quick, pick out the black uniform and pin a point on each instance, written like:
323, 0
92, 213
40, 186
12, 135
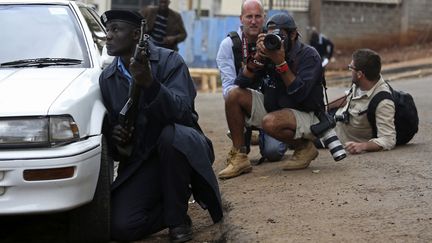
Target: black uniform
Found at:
170, 152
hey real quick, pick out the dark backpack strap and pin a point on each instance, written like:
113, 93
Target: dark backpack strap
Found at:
380, 96
237, 49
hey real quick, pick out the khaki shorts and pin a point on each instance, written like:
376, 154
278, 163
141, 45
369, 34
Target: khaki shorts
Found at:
258, 110
303, 119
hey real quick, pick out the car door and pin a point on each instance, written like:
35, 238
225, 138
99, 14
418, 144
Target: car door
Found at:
96, 28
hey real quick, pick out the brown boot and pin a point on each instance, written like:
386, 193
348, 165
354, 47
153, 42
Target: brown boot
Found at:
303, 154
237, 164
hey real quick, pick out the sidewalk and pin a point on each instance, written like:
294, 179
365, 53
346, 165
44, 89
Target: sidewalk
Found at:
394, 71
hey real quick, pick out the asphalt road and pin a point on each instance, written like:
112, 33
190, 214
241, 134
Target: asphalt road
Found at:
375, 197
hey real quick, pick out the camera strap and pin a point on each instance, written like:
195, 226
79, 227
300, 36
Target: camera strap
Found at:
333, 111
244, 48
349, 101
240, 49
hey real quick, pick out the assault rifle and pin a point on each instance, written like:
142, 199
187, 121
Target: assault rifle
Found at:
129, 111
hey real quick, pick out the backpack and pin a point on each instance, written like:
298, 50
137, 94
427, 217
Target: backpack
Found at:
237, 50
406, 118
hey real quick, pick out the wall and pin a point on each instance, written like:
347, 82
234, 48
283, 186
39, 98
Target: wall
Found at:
179, 5
232, 7
416, 22
203, 39
352, 24
131, 4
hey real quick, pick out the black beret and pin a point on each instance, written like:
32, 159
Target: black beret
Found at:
129, 16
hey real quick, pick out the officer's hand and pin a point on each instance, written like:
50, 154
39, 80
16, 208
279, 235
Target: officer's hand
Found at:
141, 72
121, 135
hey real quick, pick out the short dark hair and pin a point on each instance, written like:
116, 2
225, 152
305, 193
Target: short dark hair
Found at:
369, 62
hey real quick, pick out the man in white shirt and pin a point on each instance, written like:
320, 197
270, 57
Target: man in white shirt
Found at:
252, 19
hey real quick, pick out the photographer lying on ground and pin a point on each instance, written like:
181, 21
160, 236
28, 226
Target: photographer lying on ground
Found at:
355, 130
292, 99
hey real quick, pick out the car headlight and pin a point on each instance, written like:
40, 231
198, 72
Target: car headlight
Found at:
37, 131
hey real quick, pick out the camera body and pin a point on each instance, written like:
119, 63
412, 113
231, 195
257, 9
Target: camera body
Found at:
273, 41
324, 130
344, 117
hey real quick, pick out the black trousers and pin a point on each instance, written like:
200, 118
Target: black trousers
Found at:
155, 197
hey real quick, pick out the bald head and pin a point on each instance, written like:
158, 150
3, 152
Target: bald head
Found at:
252, 18
248, 4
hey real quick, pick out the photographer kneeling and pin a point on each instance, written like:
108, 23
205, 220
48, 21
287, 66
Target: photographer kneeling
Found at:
292, 96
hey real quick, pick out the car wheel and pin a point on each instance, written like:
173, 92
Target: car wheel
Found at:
91, 222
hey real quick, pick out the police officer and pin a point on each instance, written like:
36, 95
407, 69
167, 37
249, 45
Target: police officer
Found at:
293, 94
171, 157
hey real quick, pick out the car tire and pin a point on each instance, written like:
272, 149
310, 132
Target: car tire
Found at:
90, 223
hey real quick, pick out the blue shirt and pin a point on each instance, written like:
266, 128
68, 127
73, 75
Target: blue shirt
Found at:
123, 70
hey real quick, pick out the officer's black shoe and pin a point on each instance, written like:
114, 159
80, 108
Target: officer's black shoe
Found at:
181, 233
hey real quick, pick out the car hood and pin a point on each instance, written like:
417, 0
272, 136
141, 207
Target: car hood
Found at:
31, 91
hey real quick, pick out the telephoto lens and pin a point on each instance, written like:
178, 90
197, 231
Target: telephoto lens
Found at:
331, 141
324, 130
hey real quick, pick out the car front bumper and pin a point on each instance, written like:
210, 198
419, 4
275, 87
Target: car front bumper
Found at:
20, 196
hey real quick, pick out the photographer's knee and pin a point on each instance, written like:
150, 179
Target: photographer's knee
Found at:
239, 97
269, 124
233, 95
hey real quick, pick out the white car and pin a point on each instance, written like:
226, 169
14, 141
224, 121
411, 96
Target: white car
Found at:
53, 156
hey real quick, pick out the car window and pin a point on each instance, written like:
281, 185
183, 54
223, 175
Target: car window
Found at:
40, 31
98, 32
